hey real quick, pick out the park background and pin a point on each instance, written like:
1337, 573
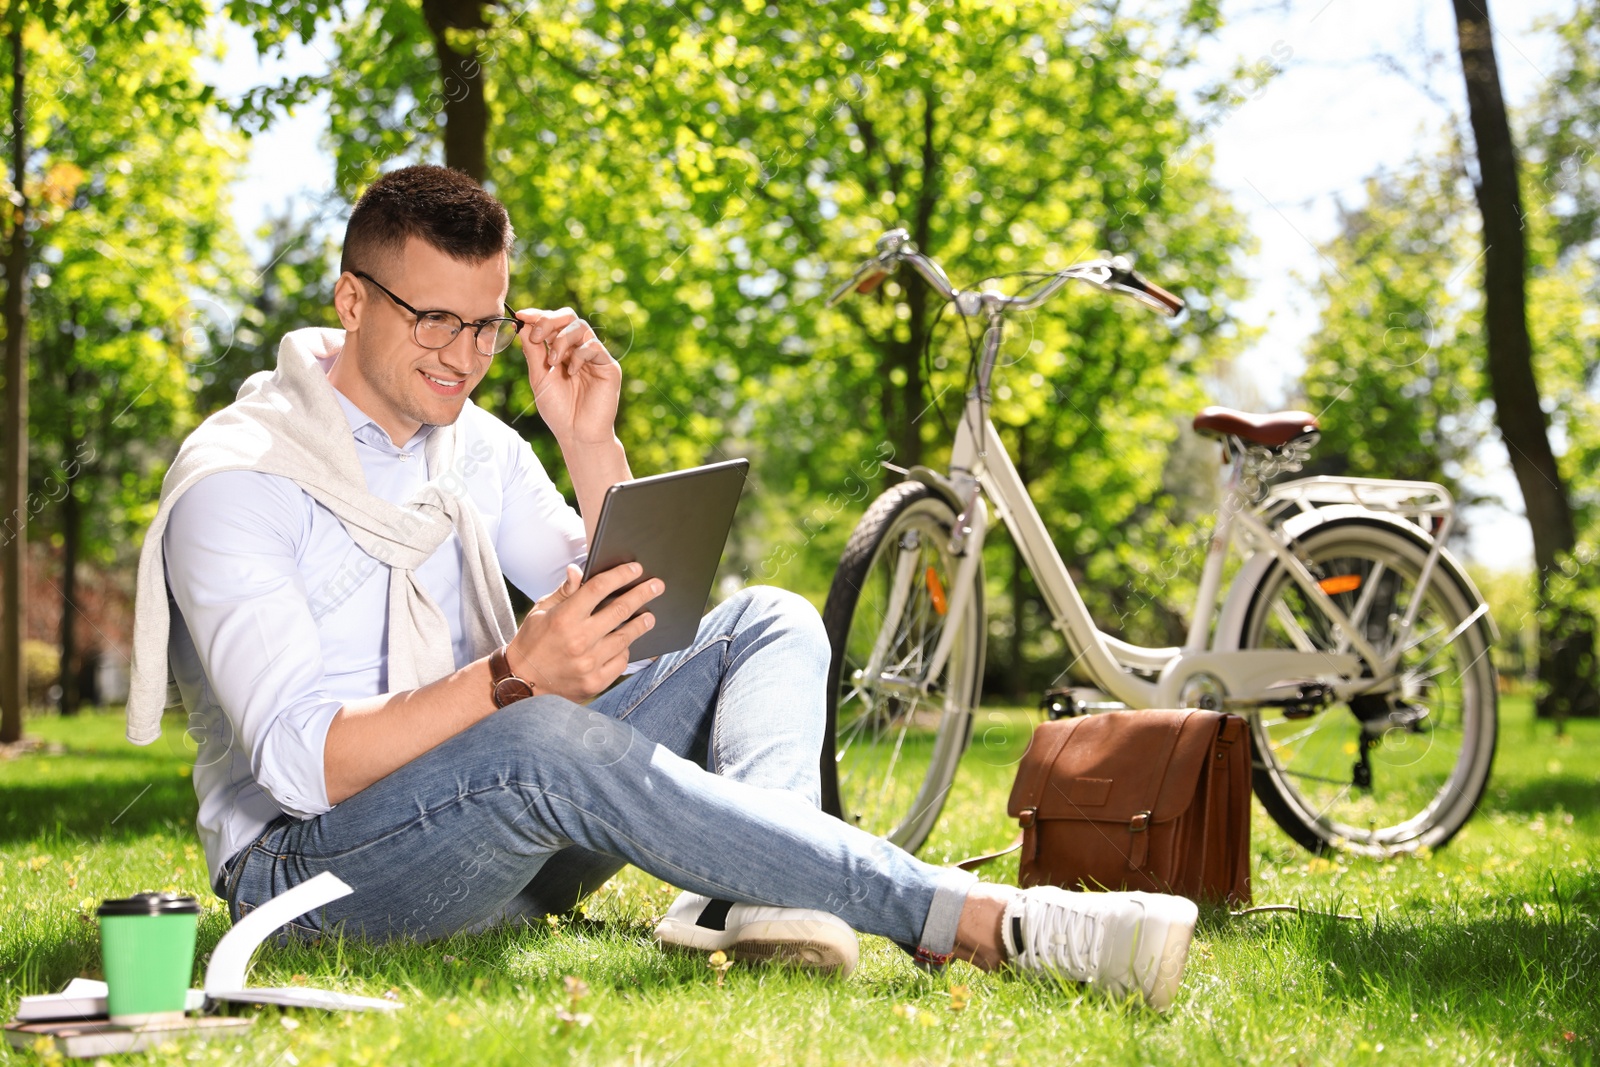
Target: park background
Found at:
692, 181
693, 177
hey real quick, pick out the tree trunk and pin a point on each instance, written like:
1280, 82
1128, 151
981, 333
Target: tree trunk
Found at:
903, 404
1567, 672
70, 378
13, 678
466, 109
71, 540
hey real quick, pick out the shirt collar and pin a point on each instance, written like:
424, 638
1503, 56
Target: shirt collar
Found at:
368, 432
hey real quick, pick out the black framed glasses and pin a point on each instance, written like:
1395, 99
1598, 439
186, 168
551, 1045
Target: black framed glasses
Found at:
436, 329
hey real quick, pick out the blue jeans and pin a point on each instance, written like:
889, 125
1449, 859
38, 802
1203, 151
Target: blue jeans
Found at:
701, 769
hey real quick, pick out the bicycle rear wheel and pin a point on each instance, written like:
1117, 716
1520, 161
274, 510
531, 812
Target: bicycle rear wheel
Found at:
1383, 773
895, 731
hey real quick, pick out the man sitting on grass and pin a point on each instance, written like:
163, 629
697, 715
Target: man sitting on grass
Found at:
334, 543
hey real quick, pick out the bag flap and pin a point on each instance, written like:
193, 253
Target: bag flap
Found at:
1034, 770
1113, 766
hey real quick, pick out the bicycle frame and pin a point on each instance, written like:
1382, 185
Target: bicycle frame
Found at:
1343, 593
981, 471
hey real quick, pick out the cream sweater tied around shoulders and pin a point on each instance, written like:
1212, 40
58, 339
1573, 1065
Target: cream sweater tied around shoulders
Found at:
289, 423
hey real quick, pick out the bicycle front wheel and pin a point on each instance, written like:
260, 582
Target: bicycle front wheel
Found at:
897, 728
1386, 772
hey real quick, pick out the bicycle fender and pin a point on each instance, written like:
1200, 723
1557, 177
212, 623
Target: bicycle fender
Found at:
937, 482
1230, 623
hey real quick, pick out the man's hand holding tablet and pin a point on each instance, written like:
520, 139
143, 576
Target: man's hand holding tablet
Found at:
658, 535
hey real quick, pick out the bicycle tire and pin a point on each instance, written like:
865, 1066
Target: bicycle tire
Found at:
888, 758
1430, 748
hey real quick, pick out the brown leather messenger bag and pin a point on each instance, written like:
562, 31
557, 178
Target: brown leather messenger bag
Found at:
1152, 800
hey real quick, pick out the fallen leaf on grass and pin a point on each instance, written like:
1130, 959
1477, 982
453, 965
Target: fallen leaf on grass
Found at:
911, 1014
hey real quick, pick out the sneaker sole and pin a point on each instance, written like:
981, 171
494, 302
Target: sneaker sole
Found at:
1169, 970
808, 955
813, 946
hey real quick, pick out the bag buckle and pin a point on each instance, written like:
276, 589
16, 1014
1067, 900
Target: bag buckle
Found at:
1140, 851
1028, 817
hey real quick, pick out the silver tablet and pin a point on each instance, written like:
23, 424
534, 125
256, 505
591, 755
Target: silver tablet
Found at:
674, 525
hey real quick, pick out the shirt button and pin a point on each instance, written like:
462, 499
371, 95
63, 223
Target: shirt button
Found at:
405, 455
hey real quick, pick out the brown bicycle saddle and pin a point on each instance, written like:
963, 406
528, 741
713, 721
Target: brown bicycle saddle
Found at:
1274, 429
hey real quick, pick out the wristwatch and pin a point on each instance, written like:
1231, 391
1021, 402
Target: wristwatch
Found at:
508, 688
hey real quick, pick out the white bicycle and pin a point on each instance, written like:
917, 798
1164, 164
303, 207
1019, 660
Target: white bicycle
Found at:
1352, 641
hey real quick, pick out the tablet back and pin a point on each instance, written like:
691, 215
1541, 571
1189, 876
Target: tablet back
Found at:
675, 525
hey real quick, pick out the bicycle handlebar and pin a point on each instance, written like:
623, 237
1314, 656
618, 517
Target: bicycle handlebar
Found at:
895, 247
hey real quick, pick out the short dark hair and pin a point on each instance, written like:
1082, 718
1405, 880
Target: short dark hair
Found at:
443, 207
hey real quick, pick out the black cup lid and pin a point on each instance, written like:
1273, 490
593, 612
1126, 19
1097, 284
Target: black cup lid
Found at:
151, 904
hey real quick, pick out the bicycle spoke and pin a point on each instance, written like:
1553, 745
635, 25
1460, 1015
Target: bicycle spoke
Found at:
1291, 626
1340, 795
1293, 738
1358, 614
1305, 777
1465, 625
894, 758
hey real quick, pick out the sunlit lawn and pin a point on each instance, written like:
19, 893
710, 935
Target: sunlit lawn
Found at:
1486, 952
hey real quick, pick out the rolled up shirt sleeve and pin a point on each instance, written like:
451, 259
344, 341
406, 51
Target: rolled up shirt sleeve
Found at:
232, 571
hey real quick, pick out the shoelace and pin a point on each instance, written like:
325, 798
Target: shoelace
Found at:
1065, 937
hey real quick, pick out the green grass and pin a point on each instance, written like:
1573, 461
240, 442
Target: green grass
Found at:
1485, 952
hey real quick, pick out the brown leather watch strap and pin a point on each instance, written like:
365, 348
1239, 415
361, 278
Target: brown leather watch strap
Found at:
508, 688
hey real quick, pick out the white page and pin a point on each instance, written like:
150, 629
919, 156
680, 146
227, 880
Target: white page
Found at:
225, 976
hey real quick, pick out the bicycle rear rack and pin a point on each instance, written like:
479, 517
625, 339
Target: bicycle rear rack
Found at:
1426, 505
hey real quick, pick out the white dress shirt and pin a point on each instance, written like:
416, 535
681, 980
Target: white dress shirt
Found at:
281, 618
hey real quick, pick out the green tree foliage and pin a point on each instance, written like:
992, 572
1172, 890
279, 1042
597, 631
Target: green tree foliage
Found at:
289, 287
1395, 367
1563, 135
1401, 345
132, 233
1563, 196
691, 178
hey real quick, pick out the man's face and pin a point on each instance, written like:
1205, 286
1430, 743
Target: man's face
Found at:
395, 380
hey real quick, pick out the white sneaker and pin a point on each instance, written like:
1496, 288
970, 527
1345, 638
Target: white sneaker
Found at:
1119, 942
796, 936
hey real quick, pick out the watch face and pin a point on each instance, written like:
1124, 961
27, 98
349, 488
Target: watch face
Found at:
511, 690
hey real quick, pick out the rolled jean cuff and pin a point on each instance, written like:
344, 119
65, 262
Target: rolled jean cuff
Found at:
938, 941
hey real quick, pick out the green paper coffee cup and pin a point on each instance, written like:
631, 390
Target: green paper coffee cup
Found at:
147, 944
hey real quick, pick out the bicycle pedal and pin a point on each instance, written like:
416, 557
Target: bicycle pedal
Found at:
1060, 704
1070, 701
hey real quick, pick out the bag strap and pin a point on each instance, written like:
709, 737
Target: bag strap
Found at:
972, 863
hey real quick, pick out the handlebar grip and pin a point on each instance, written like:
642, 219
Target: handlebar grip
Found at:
1171, 302
871, 281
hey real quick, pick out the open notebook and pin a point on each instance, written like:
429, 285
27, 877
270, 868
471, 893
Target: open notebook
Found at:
85, 998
